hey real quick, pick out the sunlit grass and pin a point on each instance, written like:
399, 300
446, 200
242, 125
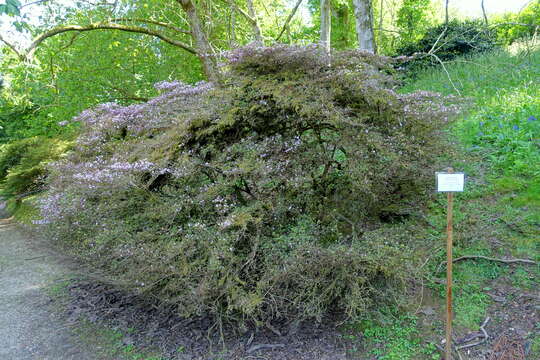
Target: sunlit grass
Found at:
503, 122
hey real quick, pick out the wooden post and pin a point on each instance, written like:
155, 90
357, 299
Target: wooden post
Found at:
449, 182
449, 240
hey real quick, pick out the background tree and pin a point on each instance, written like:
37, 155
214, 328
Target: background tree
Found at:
326, 24
179, 23
413, 18
363, 12
74, 70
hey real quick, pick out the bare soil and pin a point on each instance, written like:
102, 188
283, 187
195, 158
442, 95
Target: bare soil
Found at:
202, 338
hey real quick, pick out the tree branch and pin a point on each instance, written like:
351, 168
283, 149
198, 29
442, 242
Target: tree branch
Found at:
514, 23
240, 11
484, 12
154, 22
255, 25
12, 47
289, 18
33, 3
103, 26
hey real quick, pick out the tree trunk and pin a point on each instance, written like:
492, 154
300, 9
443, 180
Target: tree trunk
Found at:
232, 29
381, 19
204, 50
255, 24
325, 25
484, 12
446, 18
364, 25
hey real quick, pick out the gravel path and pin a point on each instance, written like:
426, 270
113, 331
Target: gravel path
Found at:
30, 327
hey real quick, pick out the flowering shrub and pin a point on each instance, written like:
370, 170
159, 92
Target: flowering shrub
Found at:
278, 195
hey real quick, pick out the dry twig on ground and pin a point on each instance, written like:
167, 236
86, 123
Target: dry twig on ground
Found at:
505, 261
484, 335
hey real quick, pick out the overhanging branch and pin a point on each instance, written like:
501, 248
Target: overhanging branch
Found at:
153, 22
101, 26
12, 47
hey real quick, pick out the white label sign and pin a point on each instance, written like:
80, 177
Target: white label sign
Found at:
450, 182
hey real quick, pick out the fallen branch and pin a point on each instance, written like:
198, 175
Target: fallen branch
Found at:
484, 335
506, 261
470, 337
264, 346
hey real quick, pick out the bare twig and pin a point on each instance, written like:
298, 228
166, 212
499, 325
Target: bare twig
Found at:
35, 258
470, 337
33, 3
484, 335
514, 23
421, 297
273, 329
432, 50
446, 71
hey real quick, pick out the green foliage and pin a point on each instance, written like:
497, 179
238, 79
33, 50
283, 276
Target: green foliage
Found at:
448, 42
109, 343
497, 214
63, 80
23, 164
512, 27
394, 335
10, 7
25, 210
15, 120
535, 347
413, 20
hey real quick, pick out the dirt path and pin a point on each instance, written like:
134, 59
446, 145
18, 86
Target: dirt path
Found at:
30, 327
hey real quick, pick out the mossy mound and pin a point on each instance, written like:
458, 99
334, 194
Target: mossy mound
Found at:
278, 195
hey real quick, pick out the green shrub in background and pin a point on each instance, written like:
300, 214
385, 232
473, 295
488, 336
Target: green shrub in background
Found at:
23, 164
448, 42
